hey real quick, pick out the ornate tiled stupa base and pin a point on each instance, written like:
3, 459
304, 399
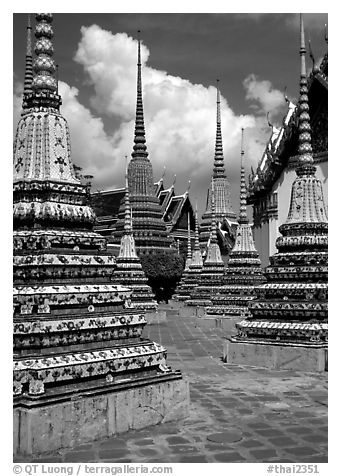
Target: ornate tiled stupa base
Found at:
76, 415
242, 274
278, 356
231, 301
129, 273
184, 290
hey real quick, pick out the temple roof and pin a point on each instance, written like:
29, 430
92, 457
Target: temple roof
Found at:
107, 203
282, 147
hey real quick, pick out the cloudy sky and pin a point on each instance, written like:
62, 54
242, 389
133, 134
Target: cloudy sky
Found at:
255, 56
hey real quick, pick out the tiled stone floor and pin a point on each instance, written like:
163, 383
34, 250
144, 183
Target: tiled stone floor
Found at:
259, 415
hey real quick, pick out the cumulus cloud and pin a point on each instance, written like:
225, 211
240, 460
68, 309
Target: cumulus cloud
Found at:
263, 96
179, 117
91, 147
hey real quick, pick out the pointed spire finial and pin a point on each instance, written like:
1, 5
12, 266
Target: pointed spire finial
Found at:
306, 161
140, 148
163, 173
139, 48
219, 167
28, 64
189, 186
44, 82
218, 103
29, 38
243, 213
174, 180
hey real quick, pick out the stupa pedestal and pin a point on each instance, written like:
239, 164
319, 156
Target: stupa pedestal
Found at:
308, 358
82, 414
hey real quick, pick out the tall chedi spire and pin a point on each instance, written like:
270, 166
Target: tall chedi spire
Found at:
212, 272
197, 261
291, 308
218, 166
243, 269
128, 270
28, 63
149, 229
220, 190
77, 338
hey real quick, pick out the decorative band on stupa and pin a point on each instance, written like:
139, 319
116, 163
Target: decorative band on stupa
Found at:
291, 307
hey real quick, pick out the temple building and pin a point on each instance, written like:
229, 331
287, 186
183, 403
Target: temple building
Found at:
78, 353
269, 187
225, 217
212, 272
174, 209
128, 271
288, 325
243, 271
150, 231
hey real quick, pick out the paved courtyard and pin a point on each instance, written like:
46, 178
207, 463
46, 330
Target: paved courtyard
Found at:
237, 413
